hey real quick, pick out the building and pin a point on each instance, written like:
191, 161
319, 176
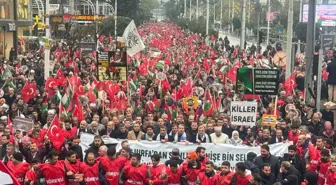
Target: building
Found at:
15, 17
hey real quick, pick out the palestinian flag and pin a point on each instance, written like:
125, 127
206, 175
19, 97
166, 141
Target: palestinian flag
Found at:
67, 98
133, 85
7, 73
159, 65
245, 79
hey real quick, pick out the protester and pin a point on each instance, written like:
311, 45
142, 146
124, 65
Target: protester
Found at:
268, 158
288, 175
226, 174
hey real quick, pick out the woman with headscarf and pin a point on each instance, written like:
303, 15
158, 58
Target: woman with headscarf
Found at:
235, 140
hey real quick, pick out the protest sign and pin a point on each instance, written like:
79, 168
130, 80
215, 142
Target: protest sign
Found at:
269, 120
216, 152
112, 65
86, 48
103, 63
244, 113
257, 81
23, 124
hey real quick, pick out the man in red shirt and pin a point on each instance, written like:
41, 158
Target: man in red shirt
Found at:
110, 167
72, 166
293, 133
136, 173
158, 170
174, 173
90, 170
19, 168
191, 168
226, 174
53, 171
201, 156
208, 177
331, 174
32, 174
241, 177
323, 166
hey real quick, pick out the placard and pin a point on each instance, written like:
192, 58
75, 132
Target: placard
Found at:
244, 113
112, 65
257, 81
23, 124
269, 120
266, 81
327, 42
86, 48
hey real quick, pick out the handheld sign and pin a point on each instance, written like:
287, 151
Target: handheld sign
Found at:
244, 113
190, 102
269, 120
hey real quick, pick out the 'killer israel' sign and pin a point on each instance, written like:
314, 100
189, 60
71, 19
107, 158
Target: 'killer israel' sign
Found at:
244, 113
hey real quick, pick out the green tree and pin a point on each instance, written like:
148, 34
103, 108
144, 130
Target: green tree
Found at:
106, 27
236, 23
173, 9
149, 4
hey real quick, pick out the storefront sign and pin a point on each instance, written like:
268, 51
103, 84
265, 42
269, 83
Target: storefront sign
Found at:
11, 27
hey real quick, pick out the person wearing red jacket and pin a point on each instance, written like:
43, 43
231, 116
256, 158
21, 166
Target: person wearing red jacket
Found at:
293, 133
90, 170
201, 156
226, 174
72, 166
136, 173
191, 168
331, 174
323, 166
240, 177
19, 168
110, 167
53, 172
158, 170
32, 174
307, 150
174, 173
208, 177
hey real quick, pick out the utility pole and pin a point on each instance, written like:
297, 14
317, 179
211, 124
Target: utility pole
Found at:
233, 3
214, 13
197, 15
268, 20
319, 77
310, 47
300, 20
47, 45
185, 8
289, 41
242, 36
190, 11
229, 14
115, 19
221, 15
207, 19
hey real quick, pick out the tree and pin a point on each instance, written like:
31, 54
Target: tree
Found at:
236, 23
106, 27
149, 4
173, 9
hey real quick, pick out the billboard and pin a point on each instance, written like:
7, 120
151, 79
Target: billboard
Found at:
112, 65
325, 14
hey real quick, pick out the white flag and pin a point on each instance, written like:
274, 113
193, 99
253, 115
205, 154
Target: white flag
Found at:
133, 39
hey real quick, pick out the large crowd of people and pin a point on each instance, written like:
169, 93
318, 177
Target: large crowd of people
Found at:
187, 65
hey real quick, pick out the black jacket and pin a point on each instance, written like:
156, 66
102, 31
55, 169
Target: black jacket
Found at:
291, 177
41, 153
252, 167
297, 162
267, 180
272, 160
331, 69
173, 160
77, 149
94, 149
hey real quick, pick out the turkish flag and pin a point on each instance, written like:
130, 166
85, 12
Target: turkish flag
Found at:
232, 73
290, 83
28, 91
6, 176
55, 133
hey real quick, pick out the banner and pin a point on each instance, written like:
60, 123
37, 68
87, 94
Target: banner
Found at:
216, 152
257, 81
244, 113
86, 48
112, 65
133, 39
23, 124
327, 42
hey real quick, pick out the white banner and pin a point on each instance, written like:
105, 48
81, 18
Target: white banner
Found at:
244, 113
216, 152
133, 40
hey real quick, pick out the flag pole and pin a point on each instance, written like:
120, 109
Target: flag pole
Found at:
275, 105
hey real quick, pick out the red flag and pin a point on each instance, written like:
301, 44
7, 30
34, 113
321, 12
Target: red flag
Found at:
10, 126
290, 83
78, 111
232, 73
91, 95
6, 176
60, 75
206, 65
28, 91
55, 133
325, 74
